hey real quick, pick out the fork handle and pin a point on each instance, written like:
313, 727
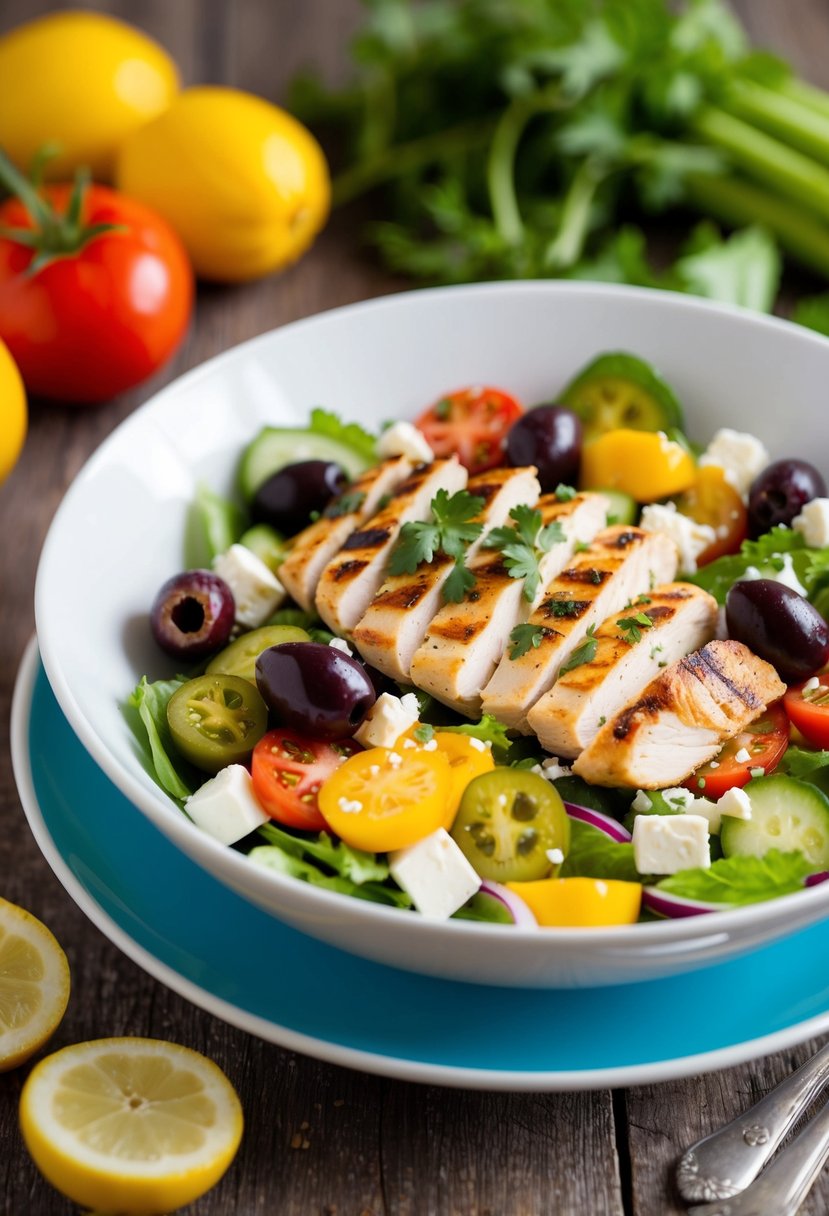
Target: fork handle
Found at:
727, 1161
788, 1180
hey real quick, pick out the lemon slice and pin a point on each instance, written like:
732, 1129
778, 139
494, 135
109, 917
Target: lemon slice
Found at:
34, 985
135, 1126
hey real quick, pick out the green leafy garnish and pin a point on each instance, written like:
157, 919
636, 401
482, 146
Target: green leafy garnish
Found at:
565, 493
631, 626
153, 733
524, 638
594, 855
452, 529
741, 879
324, 422
333, 866
213, 524
585, 653
800, 762
488, 730
767, 554
424, 733
523, 544
346, 504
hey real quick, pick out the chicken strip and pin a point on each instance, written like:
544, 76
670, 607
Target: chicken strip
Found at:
682, 718
397, 618
620, 564
313, 549
629, 654
350, 581
465, 641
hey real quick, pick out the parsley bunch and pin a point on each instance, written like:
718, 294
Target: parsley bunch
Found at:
450, 531
523, 544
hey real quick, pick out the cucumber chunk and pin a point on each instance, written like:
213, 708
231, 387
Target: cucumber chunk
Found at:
620, 390
786, 814
623, 508
275, 447
267, 544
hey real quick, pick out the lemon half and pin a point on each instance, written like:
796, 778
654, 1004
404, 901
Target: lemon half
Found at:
34, 985
135, 1126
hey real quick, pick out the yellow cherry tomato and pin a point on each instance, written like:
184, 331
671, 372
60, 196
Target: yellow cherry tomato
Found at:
581, 902
466, 761
381, 799
645, 464
82, 81
243, 183
12, 412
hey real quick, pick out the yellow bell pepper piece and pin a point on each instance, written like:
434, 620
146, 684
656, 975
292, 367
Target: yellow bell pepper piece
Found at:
645, 464
581, 902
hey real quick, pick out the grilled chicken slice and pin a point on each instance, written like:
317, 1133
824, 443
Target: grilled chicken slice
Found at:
350, 581
397, 618
682, 618
682, 718
465, 641
313, 549
619, 565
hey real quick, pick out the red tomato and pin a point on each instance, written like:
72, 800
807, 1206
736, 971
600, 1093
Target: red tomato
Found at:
765, 740
809, 711
712, 500
103, 316
288, 770
472, 423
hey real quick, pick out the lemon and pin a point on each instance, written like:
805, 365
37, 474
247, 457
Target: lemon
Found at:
34, 985
13, 417
134, 1126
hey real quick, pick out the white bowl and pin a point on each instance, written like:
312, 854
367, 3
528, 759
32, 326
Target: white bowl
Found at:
119, 531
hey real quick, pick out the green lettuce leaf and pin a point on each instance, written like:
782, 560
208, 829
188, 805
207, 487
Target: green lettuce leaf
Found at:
766, 553
324, 422
483, 907
349, 863
660, 805
213, 525
488, 730
802, 762
594, 855
272, 857
150, 728
741, 880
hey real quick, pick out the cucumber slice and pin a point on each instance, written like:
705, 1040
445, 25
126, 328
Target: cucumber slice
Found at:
275, 447
786, 814
266, 543
620, 390
623, 509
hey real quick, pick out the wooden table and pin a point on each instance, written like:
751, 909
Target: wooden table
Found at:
323, 1141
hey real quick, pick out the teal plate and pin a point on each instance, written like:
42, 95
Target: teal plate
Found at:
225, 955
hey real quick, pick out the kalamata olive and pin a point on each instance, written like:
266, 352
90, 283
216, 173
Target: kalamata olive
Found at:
193, 614
314, 689
779, 625
287, 499
780, 492
549, 437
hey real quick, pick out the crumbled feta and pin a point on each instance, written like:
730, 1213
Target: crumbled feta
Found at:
813, 522
341, 644
689, 537
811, 684
403, 439
678, 796
257, 592
435, 873
388, 719
736, 803
786, 576
641, 803
395, 759
664, 844
757, 772
708, 809
431, 746
478, 744
225, 806
743, 756
374, 770
554, 856
740, 456
552, 769
408, 744
349, 806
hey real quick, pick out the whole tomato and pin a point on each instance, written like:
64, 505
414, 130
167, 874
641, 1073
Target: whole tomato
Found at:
96, 289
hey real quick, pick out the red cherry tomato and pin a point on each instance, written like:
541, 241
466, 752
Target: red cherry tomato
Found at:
712, 500
765, 739
103, 316
473, 423
808, 710
288, 770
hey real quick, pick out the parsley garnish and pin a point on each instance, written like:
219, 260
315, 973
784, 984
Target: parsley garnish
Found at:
565, 493
632, 626
655, 650
451, 530
602, 720
643, 599
523, 544
581, 546
611, 519
346, 504
424, 733
524, 638
563, 607
582, 654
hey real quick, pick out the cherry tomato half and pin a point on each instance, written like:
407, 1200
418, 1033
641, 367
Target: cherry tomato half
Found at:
288, 770
808, 710
765, 740
472, 423
712, 500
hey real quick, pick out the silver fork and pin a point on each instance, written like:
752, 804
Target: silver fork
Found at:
726, 1162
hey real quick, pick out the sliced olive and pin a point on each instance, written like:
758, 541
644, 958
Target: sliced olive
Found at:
508, 823
239, 658
217, 720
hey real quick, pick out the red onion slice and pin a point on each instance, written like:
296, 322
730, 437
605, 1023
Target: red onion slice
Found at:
597, 819
814, 880
663, 903
518, 910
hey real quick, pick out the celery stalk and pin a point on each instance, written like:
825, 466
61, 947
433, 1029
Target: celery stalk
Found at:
798, 125
765, 159
736, 202
815, 99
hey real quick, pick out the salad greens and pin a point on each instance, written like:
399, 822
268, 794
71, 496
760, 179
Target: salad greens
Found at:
741, 879
594, 855
150, 701
767, 554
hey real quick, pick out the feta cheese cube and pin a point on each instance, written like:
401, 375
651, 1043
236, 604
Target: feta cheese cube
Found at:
256, 590
342, 645
225, 806
740, 456
813, 522
403, 439
641, 803
388, 718
743, 756
677, 796
435, 873
736, 803
689, 537
664, 844
709, 810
